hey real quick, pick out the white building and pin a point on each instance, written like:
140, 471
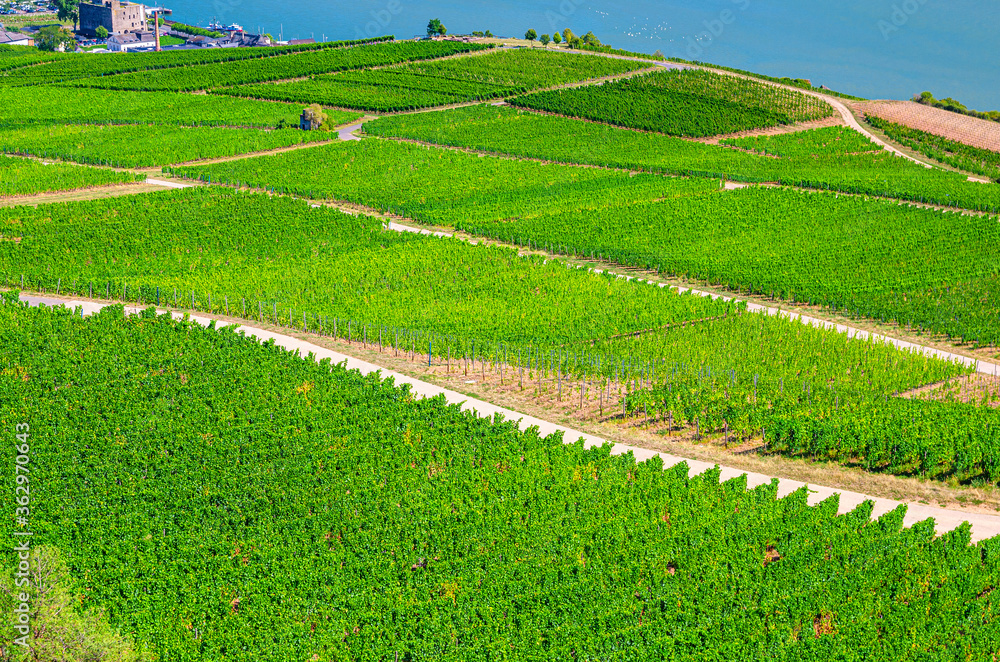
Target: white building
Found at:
130, 41
15, 38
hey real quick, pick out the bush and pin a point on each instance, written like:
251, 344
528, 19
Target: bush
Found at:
195, 31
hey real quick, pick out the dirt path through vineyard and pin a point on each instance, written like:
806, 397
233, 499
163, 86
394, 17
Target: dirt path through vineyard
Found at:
983, 525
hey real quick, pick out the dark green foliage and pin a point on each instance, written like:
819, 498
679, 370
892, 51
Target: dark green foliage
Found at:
682, 103
804, 159
864, 258
210, 76
65, 105
425, 84
195, 31
63, 68
950, 104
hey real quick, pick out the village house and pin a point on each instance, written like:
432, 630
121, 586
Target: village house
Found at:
15, 38
130, 41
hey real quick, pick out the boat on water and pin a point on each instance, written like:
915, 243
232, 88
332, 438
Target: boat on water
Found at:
219, 27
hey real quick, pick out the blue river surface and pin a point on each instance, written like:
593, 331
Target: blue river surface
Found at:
878, 49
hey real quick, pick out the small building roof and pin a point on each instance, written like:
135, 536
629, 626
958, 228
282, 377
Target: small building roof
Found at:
13, 37
132, 38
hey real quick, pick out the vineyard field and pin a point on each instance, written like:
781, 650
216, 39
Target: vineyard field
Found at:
137, 146
10, 60
831, 142
28, 177
72, 66
859, 257
425, 84
298, 65
773, 384
440, 187
683, 102
280, 254
344, 276
335, 514
64, 105
521, 133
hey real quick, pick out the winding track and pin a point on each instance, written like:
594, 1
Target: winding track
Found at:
983, 526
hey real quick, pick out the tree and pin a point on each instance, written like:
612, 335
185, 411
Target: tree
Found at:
489, 34
531, 35
59, 628
102, 32
659, 55
568, 35
51, 37
591, 40
545, 40
316, 116
435, 27
68, 10
556, 39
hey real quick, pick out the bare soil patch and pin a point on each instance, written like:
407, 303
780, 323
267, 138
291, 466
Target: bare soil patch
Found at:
974, 389
973, 131
781, 129
92, 193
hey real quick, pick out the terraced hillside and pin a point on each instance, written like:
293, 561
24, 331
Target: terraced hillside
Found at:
192, 493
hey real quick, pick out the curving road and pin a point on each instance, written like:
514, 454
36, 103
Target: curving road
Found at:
983, 526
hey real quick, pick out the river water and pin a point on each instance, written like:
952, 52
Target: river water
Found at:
872, 48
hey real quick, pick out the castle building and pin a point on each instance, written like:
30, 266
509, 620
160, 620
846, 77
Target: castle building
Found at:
117, 17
